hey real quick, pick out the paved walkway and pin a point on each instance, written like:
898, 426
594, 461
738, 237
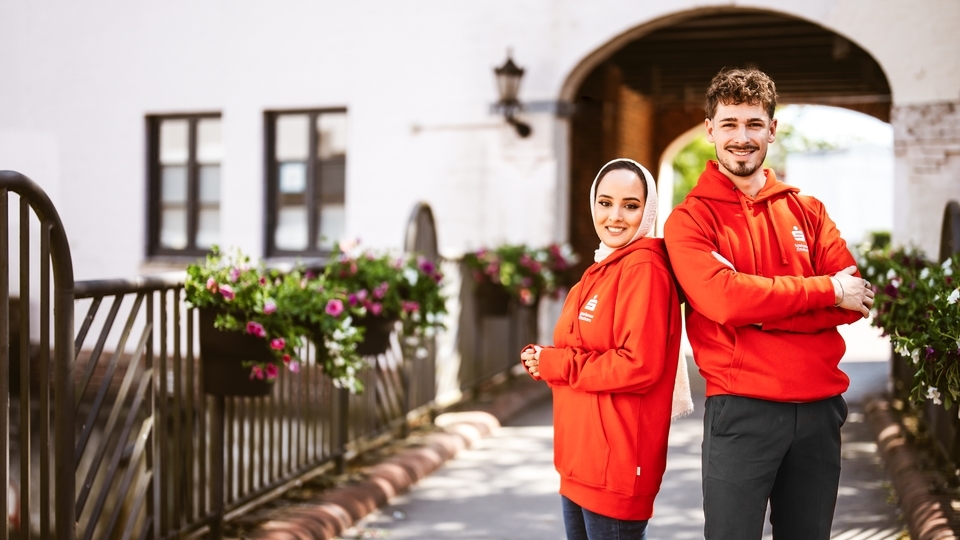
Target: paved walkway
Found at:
506, 487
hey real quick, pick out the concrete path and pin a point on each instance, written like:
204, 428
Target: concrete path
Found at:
506, 487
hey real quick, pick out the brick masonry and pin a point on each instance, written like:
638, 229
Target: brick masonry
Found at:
927, 150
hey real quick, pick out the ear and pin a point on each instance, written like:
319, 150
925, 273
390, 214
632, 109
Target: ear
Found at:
708, 124
773, 131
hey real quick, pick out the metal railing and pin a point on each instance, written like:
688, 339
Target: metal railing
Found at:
155, 457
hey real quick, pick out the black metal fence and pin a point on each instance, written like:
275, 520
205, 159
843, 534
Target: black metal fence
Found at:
118, 405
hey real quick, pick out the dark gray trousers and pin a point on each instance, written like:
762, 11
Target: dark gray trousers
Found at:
756, 450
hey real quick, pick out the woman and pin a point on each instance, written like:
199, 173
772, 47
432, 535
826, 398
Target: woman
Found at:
614, 365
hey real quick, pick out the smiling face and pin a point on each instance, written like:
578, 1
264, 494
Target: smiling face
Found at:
741, 134
618, 207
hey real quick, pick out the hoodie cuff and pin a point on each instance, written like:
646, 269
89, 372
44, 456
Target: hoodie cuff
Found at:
551, 362
822, 294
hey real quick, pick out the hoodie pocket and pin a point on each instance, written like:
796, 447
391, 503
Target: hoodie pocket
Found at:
581, 451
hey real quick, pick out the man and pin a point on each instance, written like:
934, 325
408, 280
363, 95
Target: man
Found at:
768, 280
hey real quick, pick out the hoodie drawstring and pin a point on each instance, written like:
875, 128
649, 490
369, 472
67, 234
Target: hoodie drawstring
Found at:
776, 232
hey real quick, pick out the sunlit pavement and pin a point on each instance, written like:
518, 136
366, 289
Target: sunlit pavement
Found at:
506, 487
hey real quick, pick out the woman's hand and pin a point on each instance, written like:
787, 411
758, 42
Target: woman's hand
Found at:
531, 360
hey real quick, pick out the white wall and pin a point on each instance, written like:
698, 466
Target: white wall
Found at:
80, 77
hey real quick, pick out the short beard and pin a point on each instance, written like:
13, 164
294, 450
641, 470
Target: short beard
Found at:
741, 169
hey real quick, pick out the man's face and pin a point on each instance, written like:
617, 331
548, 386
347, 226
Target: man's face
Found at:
741, 134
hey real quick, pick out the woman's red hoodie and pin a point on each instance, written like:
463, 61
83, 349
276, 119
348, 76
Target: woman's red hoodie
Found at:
612, 371
756, 273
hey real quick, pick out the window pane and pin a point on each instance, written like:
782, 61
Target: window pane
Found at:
209, 141
291, 228
332, 135
173, 228
293, 177
210, 184
292, 137
173, 186
174, 136
332, 180
208, 227
332, 225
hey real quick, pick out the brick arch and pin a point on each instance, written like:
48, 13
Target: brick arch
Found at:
643, 89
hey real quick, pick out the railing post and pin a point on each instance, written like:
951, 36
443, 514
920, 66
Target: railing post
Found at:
217, 469
343, 431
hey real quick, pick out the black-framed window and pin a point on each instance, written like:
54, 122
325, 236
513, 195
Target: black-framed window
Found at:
306, 154
185, 152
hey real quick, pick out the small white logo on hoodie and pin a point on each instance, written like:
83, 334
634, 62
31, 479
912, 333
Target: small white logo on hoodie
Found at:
591, 305
799, 237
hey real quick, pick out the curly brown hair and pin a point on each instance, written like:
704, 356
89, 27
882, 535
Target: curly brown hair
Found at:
741, 85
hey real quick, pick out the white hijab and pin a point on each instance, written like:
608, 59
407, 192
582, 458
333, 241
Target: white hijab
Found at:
682, 401
649, 209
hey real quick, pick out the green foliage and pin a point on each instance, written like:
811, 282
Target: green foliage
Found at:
527, 273
689, 164
916, 306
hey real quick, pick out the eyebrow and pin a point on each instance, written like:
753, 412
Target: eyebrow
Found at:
625, 198
731, 119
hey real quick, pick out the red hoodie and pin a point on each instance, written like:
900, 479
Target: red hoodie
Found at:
612, 371
756, 273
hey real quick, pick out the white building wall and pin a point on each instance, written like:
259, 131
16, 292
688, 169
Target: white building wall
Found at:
415, 76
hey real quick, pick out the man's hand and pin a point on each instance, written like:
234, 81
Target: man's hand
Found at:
531, 360
852, 292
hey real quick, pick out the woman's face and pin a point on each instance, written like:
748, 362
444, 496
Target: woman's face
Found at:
618, 208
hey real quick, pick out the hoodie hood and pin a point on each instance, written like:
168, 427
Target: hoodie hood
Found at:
715, 185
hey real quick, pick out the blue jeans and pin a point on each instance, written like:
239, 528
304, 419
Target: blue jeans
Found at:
582, 524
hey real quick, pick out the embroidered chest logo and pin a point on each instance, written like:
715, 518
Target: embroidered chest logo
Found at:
801, 240
591, 305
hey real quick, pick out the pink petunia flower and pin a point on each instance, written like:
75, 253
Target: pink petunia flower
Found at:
256, 329
410, 306
375, 308
294, 367
272, 371
362, 295
286, 359
262, 281
227, 292
334, 307
278, 344
256, 372
212, 285
234, 274
381, 290
269, 306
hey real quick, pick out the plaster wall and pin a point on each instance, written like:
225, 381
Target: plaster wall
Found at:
416, 80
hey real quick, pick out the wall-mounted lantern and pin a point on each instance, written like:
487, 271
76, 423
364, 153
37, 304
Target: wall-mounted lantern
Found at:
508, 84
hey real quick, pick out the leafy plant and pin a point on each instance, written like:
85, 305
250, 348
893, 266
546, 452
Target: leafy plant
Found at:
525, 272
916, 305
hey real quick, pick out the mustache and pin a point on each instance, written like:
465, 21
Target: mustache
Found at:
747, 147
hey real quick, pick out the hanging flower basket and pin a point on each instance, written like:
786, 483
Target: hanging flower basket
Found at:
222, 358
376, 334
491, 299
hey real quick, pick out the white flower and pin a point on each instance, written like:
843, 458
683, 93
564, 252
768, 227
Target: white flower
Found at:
422, 353
947, 264
891, 274
954, 296
925, 273
901, 350
870, 270
411, 275
915, 355
934, 394
930, 282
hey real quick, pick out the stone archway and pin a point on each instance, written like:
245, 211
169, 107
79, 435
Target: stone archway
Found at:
644, 89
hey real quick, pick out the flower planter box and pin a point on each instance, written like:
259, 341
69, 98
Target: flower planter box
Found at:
222, 355
491, 300
376, 335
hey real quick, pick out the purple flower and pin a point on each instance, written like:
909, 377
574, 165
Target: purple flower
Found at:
426, 266
227, 292
891, 290
334, 307
256, 329
352, 299
278, 343
409, 306
269, 306
930, 352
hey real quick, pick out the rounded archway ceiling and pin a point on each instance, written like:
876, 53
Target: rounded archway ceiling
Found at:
809, 63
